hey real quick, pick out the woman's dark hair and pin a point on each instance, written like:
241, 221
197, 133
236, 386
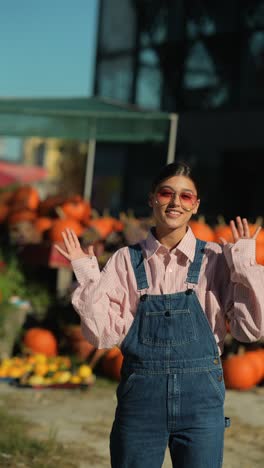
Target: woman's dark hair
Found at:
170, 170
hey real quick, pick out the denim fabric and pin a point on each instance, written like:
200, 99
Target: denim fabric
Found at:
172, 389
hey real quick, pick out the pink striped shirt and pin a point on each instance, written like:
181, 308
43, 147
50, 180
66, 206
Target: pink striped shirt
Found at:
231, 285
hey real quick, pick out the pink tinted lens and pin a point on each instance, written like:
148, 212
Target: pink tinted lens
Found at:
187, 199
164, 196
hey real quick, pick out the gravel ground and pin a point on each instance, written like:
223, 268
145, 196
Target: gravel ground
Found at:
82, 419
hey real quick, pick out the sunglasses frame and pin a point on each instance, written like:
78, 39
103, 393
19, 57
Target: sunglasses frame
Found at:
174, 195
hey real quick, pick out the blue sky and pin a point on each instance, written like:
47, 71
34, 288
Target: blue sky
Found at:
47, 48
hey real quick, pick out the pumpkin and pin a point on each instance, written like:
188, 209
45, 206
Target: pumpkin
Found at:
239, 373
47, 206
20, 216
223, 230
6, 196
257, 360
259, 240
26, 197
202, 230
77, 208
82, 348
78, 344
60, 225
111, 363
41, 340
73, 332
43, 223
105, 226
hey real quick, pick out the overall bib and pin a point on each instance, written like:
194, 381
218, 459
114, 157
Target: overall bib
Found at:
172, 389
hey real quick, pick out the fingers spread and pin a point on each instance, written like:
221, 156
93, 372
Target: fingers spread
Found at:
61, 251
256, 233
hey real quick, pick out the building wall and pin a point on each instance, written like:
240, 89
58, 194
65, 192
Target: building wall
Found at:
203, 60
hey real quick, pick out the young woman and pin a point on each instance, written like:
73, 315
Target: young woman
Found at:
165, 302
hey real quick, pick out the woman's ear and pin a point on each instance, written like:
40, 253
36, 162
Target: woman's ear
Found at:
150, 200
194, 211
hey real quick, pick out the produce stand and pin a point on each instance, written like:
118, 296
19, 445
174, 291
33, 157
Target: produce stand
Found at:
46, 255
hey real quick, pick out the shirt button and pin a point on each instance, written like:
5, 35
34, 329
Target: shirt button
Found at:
167, 313
216, 361
236, 250
170, 271
220, 378
144, 297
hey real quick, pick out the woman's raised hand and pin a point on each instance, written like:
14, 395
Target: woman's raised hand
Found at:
73, 249
240, 230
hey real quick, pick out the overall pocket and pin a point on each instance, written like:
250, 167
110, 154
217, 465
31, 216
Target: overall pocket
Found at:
216, 379
167, 327
125, 385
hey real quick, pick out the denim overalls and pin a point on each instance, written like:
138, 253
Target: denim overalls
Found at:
172, 389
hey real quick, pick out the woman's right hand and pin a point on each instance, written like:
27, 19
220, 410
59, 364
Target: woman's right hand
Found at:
73, 249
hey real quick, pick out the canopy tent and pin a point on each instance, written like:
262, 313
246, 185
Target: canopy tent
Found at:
93, 119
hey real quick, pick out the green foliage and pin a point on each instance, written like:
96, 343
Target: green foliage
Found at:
13, 282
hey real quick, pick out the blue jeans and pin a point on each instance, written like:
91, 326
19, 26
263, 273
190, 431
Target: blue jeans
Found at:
156, 411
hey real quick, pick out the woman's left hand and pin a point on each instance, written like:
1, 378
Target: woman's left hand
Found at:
240, 230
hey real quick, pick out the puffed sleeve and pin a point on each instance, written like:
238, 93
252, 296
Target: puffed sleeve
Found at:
244, 296
101, 299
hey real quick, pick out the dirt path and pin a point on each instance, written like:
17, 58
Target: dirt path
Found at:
83, 419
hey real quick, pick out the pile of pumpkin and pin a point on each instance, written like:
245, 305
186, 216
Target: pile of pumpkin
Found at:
30, 219
40, 364
204, 231
52, 215
41, 341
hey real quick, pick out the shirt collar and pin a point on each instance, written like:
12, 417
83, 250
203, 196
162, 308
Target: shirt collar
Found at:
186, 246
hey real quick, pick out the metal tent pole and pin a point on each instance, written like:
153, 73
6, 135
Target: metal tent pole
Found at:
172, 138
89, 170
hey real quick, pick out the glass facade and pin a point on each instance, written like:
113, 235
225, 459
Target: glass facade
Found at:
205, 61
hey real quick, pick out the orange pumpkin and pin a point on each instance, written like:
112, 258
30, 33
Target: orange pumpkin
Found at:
239, 373
73, 332
6, 196
82, 348
60, 225
47, 206
41, 340
19, 216
259, 241
105, 226
202, 230
26, 197
43, 223
111, 363
257, 360
77, 208
223, 230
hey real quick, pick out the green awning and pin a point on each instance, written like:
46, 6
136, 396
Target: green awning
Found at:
81, 119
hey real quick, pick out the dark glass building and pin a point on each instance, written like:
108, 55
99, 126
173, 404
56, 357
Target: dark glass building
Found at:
204, 60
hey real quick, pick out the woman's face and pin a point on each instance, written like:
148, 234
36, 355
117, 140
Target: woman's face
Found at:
174, 202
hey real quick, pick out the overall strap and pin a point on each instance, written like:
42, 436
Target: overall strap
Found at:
137, 261
195, 266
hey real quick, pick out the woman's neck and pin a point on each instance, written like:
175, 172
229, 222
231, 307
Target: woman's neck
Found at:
169, 239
